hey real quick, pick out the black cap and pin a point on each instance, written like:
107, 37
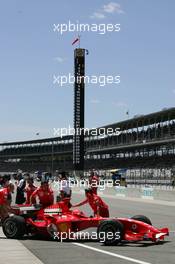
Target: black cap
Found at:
88, 190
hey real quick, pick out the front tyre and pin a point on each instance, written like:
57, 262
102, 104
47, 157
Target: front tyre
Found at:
14, 227
110, 232
142, 218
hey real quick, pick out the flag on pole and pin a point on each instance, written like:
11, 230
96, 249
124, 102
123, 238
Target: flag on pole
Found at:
75, 41
127, 113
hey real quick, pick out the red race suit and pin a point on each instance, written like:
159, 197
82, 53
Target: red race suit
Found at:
29, 190
97, 204
46, 198
4, 193
94, 182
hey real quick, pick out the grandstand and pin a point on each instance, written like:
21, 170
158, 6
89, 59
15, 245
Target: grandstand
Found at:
145, 142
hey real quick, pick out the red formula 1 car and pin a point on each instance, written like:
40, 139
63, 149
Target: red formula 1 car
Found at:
54, 221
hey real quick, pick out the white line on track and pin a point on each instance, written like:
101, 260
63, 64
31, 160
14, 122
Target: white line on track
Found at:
111, 254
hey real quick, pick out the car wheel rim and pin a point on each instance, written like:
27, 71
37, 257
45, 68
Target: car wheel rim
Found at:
108, 230
11, 228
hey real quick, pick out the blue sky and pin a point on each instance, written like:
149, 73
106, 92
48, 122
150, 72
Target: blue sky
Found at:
142, 53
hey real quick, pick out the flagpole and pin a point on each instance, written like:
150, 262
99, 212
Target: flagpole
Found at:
79, 40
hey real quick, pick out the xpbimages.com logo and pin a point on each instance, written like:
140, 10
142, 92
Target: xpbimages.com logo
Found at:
82, 184
100, 28
101, 132
101, 236
102, 80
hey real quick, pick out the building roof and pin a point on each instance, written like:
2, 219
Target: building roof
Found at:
136, 121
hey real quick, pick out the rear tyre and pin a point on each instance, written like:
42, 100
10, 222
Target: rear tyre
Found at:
14, 227
110, 232
142, 218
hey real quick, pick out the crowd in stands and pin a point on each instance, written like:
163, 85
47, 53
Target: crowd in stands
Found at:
153, 132
127, 136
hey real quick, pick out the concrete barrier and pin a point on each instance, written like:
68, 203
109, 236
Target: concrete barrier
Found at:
148, 193
140, 192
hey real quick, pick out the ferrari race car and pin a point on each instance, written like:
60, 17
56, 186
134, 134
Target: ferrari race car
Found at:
53, 221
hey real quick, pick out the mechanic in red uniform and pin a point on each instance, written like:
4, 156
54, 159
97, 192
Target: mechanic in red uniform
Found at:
29, 190
44, 193
5, 193
94, 182
99, 207
65, 204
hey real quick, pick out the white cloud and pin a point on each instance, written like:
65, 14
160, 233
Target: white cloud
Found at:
98, 15
94, 101
120, 104
109, 8
59, 59
113, 7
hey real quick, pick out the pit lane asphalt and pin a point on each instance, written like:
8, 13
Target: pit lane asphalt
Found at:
51, 252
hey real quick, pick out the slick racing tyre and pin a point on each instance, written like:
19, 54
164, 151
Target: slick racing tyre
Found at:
142, 218
110, 232
14, 227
